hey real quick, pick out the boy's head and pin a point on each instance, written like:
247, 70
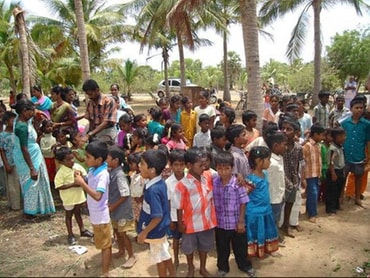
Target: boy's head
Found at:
96, 153
218, 137
324, 97
208, 154
290, 127
339, 135
204, 122
357, 107
224, 163
236, 135
269, 127
177, 161
277, 142
249, 118
116, 157
65, 156
293, 108
152, 163
195, 160
317, 132
339, 101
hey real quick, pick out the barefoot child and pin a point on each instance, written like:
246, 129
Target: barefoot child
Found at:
72, 195
120, 205
97, 199
155, 213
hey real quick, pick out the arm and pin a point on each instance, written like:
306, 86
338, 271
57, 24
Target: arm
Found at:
7, 167
78, 157
114, 206
27, 158
331, 167
180, 223
152, 224
241, 223
96, 195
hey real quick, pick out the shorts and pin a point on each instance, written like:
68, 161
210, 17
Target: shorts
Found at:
69, 208
175, 233
290, 195
357, 169
159, 252
202, 241
123, 225
102, 236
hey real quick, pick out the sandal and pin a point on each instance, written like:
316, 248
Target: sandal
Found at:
87, 233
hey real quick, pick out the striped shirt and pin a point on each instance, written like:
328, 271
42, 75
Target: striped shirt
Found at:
293, 160
312, 158
104, 110
195, 199
321, 114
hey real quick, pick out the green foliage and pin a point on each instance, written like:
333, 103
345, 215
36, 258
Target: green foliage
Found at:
234, 64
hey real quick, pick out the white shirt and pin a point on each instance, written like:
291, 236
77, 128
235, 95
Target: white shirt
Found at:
276, 179
202, 139
209, 110
171, 182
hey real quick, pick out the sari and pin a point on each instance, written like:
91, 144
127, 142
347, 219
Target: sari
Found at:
44, 104
63, 113
36, 194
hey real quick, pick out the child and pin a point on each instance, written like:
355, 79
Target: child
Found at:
195, 211
154, 125
152, 142
262, 234
324, 144
218, 138
304, 119
335, 178
97, 199
230, 201
358, 138
176, 135
123, 136
203, 137
155, 213
136, 184
138, 140
174, 111
71, 194
270, 113
162, 103
78, 148
177, 164
236, 135
204, 107
166, 135
140, 120
13, 187
188, 120
120, 206
321, 110
47, 140
312, 173
227, 116
249, 119
338, 111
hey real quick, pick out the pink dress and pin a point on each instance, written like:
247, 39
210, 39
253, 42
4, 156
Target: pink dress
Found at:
172, 144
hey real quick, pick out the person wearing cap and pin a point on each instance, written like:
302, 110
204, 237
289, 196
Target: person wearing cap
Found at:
321, 110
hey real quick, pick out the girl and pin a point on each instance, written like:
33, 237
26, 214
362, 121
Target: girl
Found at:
188, 120
249, 119
174, 111
78, 148
166, 132
204, 107
152, 142
140, 120
138, 140
47, 141
262, 233
227, 116
270, 114
154, 125
136, 184
123, 137
176, 138
163, 105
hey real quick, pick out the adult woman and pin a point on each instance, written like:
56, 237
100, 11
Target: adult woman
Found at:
42, 102
31, 168
62, 114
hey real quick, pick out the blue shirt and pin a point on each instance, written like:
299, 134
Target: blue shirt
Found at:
155, 204
358, 134
155, 127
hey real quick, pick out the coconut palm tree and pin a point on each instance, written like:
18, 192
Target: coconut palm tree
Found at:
129, 73
271, 10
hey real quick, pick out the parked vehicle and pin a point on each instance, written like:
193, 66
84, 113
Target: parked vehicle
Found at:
174, 85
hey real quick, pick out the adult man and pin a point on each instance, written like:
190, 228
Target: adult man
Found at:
101, 112
349, 91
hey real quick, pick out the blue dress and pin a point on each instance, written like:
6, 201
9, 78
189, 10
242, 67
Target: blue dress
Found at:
262, 233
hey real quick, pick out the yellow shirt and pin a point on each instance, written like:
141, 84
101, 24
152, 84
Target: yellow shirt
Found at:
189, 123
74, 195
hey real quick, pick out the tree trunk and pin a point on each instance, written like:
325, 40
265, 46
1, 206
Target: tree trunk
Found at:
227, 96
82, 40
21, 30
180, 46
248, 10
317, 57
11, 78
165, 67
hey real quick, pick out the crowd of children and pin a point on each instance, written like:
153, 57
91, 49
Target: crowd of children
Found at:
206, 183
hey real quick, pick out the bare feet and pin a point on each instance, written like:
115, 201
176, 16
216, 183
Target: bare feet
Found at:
190, 271
205, 273
312, 219
298, 228
288, 232
118, 255
359, 203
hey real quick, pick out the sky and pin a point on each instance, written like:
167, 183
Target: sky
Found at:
338, 19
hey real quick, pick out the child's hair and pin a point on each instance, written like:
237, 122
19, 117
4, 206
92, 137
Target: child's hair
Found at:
323, 93
61, 153
355, 101
156, 159
248, 115
335, 132
293, 123
275, 97
193, 154
316, 129
286, 116
269, 127
258, 152
98, 149
218, 132
207, 151
174, 128
156, 113
229, 112
161, 101
164, 149
290, 107
204, 94
174, 99
126, 118
116, 152
185, 100
44, 124
152, 140
204, 117
233, 132
137, 118
56, 133
275, 137
340, 97
134, 158
224, 157
73, 136
167, 127
141, 133
8, 115
176, 155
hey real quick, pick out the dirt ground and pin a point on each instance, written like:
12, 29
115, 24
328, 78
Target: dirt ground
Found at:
333, 247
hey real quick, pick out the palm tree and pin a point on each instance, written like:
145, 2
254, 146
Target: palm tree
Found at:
271, 10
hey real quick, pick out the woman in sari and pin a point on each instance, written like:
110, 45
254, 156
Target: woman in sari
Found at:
42, 102
31, 168
62, 114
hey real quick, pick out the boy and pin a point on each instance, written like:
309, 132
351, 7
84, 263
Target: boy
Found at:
358, 137
337, 112
218, 138
195, 211
155, 213
71, 194
236, 135
230, 200
120, 206
97, 199
321, 110
177, 164
335, 178
203, 137
188, 120
312, 169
